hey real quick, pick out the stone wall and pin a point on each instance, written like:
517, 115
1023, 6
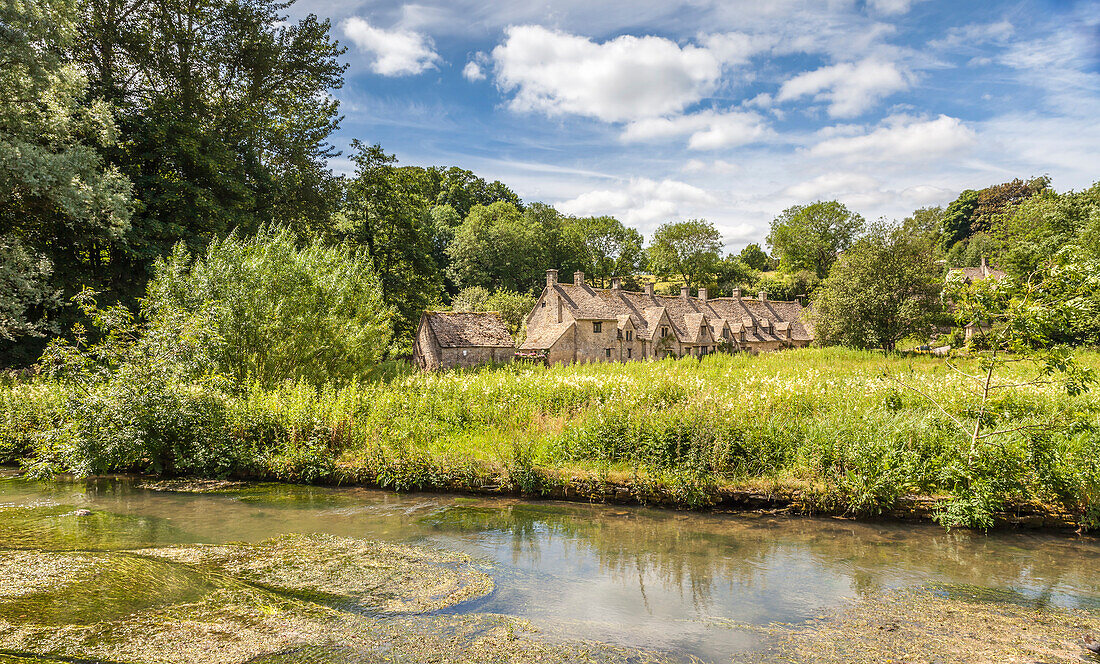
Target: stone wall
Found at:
426, 351
471, 357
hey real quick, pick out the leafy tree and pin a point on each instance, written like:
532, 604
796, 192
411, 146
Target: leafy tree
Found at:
558, 247
58, 200
225, 109
384, 212
609, 248
732, 273
460, 189
262, 309
686, 250
1000, 198
497, 249
26, 296
1036, 229
926, 222
787, 286
754, 257
810, 237
957, 217
884, 288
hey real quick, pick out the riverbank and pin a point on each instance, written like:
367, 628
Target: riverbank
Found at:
812, 431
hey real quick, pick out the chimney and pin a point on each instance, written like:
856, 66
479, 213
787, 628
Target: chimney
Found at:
551, 278
649, 289
616, 283
703, 294
985, 267
685, 292
763, 296
737, 294
578, 278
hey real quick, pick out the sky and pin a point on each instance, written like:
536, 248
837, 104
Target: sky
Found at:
729, 111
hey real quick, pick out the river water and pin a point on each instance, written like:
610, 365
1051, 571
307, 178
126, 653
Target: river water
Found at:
650, 578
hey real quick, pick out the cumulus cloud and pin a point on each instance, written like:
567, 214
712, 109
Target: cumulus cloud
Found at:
849, 88
622, 79
890, 6
395, 52
716, 166
831, 185
641, 202
475, 68
708, 130
901, 138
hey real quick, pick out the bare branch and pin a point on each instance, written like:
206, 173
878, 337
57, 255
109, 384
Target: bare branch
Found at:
928, 397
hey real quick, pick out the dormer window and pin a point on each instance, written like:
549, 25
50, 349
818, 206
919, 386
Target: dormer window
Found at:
664, 331
629, 335
726, 334
597, 327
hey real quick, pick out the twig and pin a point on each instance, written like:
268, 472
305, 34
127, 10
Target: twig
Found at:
926, 396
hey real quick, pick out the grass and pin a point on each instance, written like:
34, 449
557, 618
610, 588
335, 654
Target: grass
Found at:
820, 429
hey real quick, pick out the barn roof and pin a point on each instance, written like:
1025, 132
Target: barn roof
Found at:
454, 329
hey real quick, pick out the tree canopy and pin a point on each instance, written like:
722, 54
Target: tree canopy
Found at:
810, 237
686, 250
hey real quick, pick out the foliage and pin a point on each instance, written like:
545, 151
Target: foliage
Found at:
821, 423
884, 288
810, 237
753, 256
495, 248
685, 250
384, 213
270, 311
732, 273
956, 219
26, 297
1034, 231
513, 307
607, 248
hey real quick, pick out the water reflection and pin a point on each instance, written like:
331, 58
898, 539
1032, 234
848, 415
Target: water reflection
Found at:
644, 577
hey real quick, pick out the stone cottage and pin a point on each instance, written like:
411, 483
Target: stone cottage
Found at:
446, 339
971, 275
578, 323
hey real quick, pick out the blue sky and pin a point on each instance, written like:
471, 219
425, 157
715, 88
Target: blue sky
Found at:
730, 111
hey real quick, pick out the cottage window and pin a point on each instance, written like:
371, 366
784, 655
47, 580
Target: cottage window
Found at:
664, 331
543, 305
597, 327
629, 353
607, 352
725, 334
629, 335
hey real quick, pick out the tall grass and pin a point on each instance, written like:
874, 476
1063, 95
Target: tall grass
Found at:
822, 422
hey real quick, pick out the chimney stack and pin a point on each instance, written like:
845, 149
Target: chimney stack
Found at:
649, 289
685, 292
616, 283
578, 278
763, 296
703, 294
737, 294
551, 278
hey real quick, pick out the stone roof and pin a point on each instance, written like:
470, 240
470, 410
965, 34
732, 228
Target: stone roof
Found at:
454, 329
979, 273
544, 336
587, 303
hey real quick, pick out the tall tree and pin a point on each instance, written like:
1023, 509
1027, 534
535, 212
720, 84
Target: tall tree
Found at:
884, 288
753, 256
496, 248
608, 248
226, 111
686, 250
60, 205
385, 213
810, 237
956, 219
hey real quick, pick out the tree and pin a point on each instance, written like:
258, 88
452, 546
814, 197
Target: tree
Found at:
384, 212
60, 205
266, 310
956, 219
753, 256
732, 272
497, 249
609, 248
810, 237
884, 288
685, 250
26, 297
513, 307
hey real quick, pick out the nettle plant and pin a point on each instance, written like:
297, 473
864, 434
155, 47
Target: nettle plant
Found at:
1002, 322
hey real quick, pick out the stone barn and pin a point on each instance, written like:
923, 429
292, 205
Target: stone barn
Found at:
447, 339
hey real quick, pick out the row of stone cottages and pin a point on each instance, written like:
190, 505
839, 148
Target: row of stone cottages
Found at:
578, 323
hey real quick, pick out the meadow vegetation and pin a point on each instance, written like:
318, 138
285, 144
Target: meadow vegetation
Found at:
837, 430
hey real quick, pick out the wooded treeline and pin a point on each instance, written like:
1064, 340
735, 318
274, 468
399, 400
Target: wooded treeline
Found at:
130, 127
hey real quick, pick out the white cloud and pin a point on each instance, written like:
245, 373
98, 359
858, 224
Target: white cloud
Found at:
737, 47
622, 79
831, 185
716, 166
974, 34
850, 88
396, 52
475, 68
901, 138
890, 6
708, 130
641, 202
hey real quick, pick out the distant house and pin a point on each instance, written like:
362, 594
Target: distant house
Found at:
447, 339
970, 275
578, 323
